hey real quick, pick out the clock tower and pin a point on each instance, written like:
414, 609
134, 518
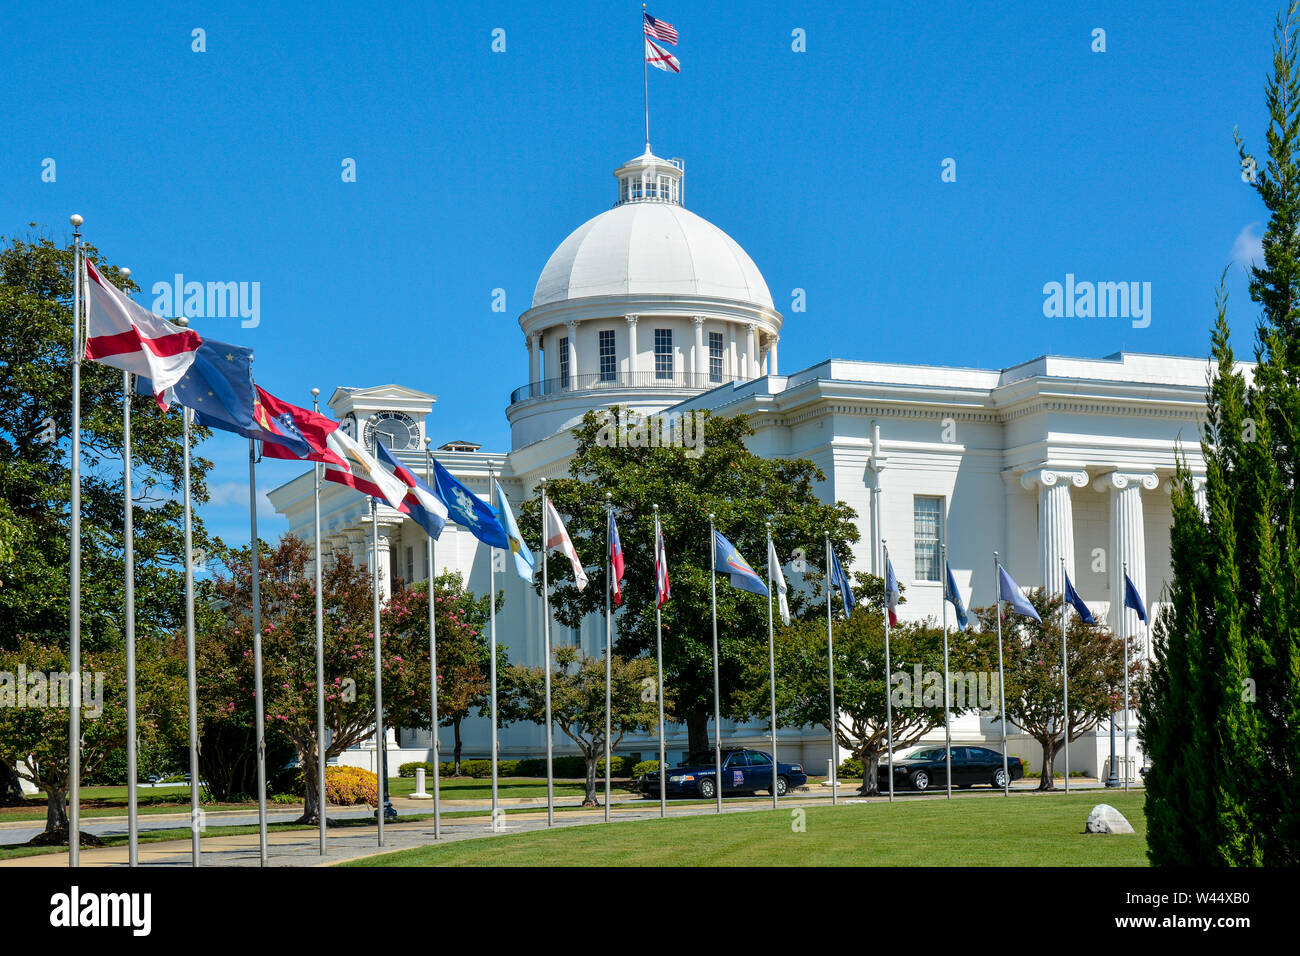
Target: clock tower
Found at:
393, 414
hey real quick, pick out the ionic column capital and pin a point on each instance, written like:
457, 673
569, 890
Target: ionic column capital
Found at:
1120, 480
572, 324
1050, 477
698, 320
631, 319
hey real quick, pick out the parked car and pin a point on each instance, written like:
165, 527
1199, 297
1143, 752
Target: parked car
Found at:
743, 771
927, 768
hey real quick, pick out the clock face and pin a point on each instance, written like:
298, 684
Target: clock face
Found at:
397, 430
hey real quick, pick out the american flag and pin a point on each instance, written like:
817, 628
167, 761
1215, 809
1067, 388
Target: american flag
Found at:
660, 30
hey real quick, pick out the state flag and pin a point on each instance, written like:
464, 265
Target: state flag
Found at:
1134, 600
421, 503
468, 510
892, 593
951, 595
774, 570
1072, 597
840, 580
558, 537
660, 58
615, 561
525, 564
662, 585
730, 562
1009, 591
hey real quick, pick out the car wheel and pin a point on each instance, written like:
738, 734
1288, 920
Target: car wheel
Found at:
782, 786
999, 780
707, 788
921, 780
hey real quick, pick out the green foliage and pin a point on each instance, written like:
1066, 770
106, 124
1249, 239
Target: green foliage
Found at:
644, 767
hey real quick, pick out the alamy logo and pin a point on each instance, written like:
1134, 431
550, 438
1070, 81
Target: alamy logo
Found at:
978, 690
624, 428
1102, 300
74, 908
53, 689
215, 300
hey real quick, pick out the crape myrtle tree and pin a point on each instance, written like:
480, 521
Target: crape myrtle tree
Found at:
1031, 662
1221, 710
35, 476
861, 725
720, 475
578, 702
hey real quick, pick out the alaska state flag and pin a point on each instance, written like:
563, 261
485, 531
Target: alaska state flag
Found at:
729, 561
468, 510
1009, 591
1072, 597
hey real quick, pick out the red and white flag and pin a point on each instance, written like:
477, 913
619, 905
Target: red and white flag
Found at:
661, 569
125, 335
660, 58
558, 537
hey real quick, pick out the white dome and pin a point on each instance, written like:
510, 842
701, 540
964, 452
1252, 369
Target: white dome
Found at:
654, 248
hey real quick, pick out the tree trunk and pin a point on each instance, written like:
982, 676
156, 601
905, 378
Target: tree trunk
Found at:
590, 799
455, 753
311, 802
56, 810
1047, 780
870, 767
11, 789
697, 731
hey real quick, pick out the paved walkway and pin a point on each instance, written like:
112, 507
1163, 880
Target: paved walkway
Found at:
301, 847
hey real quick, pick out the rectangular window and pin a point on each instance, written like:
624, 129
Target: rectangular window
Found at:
715, 356
925, 531
663, 353
564, 362
608, 360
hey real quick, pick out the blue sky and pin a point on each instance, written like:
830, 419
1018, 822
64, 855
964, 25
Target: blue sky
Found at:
473, 165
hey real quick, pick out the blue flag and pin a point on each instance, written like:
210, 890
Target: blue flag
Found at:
729, 561
1133, 599
468, 510
1009, 591
1072, 597
841, 581
950, 594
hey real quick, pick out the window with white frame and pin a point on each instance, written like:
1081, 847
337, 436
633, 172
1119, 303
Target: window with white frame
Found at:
715, 356
608, 360
926, 513
564, 362
663, 353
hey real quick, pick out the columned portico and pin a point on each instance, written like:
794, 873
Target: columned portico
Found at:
1055, 522
1127, 543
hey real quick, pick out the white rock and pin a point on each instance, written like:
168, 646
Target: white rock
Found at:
1106, 819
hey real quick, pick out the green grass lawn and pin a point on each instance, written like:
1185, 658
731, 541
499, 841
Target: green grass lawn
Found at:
1023, 830
469, 788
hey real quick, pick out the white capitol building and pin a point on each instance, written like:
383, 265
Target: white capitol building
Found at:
650, 306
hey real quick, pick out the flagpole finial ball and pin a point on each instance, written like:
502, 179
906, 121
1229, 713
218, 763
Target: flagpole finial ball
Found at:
609, 496
76, 220
710, 515
768, 525
655, 507
315, 392
125, 271
183, 322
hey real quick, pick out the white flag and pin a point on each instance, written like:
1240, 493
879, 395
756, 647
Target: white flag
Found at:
774, 563
660, 58
559, 538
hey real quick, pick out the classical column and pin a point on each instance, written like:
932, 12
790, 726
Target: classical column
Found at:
1127, 544
751, 350
771, 356
1198, 492
1055, 522
573, 352
534, 344
699, 358
631, 347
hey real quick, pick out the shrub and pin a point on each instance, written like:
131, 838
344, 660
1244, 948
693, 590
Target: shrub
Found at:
852, 768
351, 786
408, 769
644, 767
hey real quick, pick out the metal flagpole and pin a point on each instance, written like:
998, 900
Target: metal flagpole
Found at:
1123, 610
1002, 692
74, 596
889, 703
320, 654
1065, 678
947, 685
609, 638
433, 662
380, 743
717, 708
659, 676
771, 659
645, 80
128, 557
546, 619
830, 660
492, 665
191, 677
258, 710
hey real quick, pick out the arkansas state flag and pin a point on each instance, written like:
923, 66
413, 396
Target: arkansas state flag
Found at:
128, 336
615, 561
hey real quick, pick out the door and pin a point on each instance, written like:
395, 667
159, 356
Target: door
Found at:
758, 776
733, 772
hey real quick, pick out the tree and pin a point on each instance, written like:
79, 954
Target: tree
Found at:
1033, 677
36, 693
1221, 708
578, 701
721, 476
288, 595
861, 725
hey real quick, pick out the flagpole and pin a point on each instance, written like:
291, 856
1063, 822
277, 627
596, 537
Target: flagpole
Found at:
645, 81
433, 662
258, 706
1002, 691
659, 677
771, 659
1123, 611
321, 802
74, 595
717, 709
191, 677
889, 703
609, 637
546, 621
128, 558
947, 711
492, 668
380, 743
1065, 679
830, 661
